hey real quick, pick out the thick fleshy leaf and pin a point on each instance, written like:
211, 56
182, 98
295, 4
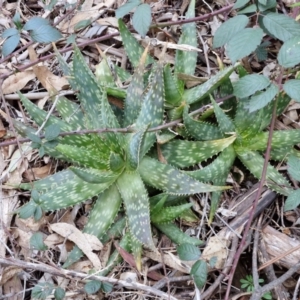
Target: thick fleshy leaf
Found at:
225, 123
132, 48
103, 73
69, 193
201, 91
173, 95
170, 180
136, 249
219, 167
254, 163
152, 110
136, 201
199, 130
94, 175
176, 235
183, 153
93, 157
133, 101
185, 61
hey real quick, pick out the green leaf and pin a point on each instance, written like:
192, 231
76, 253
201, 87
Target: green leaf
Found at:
240, 3
289, 53
35, 138
126, 8
82, 24
294, 167
37, 242
176, 235
41, 151
229, 29
92, 287
35, 22
225, 123
9, 32
52, 132
45, 34
132, 48
94, 175
250, 9
172, 94
59, 293
249, 85
199, 273
136, 249
10, 44
182, 153
134, 98
42, 290
141, 20
281, 26
17, 21
27, 210
170, 180
107, 287
38, 213
243, 43
188, 252
135, 197
200, 130
293, 200
261, 99
292, 88
35, 196
201, 91
185, 61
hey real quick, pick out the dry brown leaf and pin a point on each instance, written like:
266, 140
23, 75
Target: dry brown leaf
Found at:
49, 81
23, 239
29, 224
53, 240
216, 247
37, 173
13, 286
17, 81
86, 242
82, 266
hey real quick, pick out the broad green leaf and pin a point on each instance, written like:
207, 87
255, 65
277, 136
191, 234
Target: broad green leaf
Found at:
200, 130
52, 132
107, 287
249, 85
126, 8
59, 293
176, 235
188, 252
199, 273
141, 20
37, 242
250, 9
9, 32
17, 21
254, 163
132, 48
292, 88
42, 290
185, 61
92, 287
170, 180
240, 3
201, 91
134, 99
10, 44
35, 138
294, 167
94, 175
225, 123
135, 197
261, 99
281, 26
219, 167
182, 153
229, 29
266, 5
262, 52
27, 210
45, 34
243, 43
293, 200
289, 53
35, 23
